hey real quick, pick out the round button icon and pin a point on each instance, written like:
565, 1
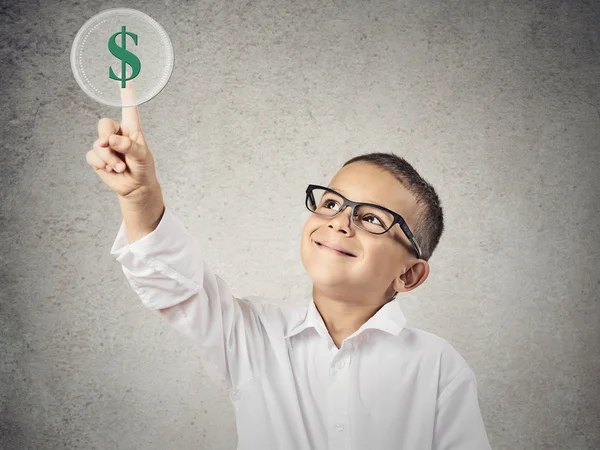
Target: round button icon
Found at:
120, 45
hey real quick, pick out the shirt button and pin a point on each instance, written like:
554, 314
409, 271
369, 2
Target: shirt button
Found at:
341, 364
339, 426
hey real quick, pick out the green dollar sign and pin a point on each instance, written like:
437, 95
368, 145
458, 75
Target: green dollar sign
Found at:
125, 56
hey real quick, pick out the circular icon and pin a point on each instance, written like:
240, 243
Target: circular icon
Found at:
119, 45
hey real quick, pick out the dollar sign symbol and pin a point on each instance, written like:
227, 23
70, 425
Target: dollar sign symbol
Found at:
125, 56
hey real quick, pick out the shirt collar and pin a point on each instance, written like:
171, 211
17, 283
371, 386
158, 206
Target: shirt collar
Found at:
389, 318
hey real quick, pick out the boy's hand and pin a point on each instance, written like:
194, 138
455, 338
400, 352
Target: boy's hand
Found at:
120, 155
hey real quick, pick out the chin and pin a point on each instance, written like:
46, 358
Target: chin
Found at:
326, 275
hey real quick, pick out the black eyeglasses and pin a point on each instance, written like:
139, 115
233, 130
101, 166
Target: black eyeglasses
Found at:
368, 217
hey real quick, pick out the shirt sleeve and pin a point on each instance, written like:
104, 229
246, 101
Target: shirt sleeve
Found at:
458, 421
166, 270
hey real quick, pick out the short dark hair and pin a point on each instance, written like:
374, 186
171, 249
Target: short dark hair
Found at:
429, 223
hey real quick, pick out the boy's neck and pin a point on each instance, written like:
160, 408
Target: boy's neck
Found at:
341, 318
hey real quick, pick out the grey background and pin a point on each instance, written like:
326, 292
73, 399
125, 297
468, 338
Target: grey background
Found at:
495, 103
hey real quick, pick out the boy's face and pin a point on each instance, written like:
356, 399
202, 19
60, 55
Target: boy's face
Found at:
381, 260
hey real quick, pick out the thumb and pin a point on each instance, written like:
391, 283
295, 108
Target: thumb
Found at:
128, 146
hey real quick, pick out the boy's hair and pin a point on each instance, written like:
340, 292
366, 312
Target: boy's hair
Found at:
429, 222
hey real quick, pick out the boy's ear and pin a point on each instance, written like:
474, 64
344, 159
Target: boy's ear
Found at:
413, 277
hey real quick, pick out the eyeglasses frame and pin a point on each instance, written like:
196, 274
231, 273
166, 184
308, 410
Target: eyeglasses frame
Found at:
398, 219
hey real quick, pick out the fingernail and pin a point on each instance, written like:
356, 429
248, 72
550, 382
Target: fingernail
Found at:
119, 167
113, 139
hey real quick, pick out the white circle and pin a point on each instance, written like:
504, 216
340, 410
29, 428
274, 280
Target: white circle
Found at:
77, 50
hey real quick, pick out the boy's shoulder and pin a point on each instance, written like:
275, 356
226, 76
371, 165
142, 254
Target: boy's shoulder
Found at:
276, 312
420, 338
439, 351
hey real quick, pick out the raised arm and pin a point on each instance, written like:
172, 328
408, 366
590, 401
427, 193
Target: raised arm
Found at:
162, 261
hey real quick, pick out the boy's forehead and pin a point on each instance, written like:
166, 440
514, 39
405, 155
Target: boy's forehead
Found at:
362, 182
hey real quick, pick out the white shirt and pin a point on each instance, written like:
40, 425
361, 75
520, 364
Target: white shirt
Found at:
389, 386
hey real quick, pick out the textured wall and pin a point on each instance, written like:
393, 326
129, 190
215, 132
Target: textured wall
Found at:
496, 103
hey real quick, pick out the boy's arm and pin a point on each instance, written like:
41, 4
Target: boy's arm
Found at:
166, 270
458, 421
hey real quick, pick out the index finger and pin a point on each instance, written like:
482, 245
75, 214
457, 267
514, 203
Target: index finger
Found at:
131, 118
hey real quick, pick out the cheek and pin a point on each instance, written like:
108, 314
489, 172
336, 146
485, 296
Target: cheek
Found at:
307, 232
376, 262
305, 243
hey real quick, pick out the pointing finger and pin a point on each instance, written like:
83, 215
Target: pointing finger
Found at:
131, 119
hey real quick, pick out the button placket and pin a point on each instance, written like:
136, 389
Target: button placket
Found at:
338, 402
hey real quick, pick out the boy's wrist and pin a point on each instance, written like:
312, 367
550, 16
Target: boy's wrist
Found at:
143, 213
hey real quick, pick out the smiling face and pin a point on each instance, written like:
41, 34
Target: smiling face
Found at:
381, 261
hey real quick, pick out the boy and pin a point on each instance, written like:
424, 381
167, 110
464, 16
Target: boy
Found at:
345, 372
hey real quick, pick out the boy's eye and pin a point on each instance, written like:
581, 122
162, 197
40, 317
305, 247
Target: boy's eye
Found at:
361, 214
374, 217
328, 202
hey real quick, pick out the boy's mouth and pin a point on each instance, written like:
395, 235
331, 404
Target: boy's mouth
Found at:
338, 252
